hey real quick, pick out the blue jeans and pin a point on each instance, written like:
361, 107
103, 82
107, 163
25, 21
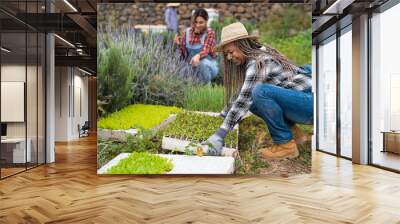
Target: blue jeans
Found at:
281, 108
208, 69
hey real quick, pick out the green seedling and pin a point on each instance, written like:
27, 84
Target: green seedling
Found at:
142, 163
137, 116
198, 127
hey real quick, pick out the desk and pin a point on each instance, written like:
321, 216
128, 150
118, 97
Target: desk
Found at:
16, 148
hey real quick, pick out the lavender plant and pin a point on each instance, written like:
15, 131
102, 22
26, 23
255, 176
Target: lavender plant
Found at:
159, 74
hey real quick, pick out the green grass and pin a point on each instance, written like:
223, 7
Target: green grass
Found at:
142, 163
204, 98
253, 135
198, 127
296, 48
137, 116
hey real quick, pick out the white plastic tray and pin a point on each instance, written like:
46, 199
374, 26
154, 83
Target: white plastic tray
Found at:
187, 164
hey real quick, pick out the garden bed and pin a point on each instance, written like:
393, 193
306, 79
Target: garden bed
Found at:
183, 164
134, 117
191, 128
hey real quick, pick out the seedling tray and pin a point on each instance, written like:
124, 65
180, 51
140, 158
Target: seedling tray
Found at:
184, 164
182, 143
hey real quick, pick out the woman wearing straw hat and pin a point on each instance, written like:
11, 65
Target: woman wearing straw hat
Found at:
197, 45
259, 79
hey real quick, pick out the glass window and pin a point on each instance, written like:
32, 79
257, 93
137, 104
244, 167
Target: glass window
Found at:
22, 91
346, 92
327, 96
385, 84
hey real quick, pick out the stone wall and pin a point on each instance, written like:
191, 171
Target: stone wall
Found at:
153, 13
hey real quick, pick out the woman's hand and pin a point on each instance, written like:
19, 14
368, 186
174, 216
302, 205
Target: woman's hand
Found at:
195, 61
177, 39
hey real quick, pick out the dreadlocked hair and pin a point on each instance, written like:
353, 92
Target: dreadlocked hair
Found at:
234, 75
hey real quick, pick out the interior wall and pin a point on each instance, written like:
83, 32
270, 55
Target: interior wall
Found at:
71, 102
12, 73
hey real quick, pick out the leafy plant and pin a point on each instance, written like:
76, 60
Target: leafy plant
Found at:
204, 98
198, 127
137, 116
114, 79
146, 141
107, 150
142, 163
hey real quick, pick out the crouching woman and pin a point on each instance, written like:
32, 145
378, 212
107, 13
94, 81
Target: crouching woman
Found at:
260, 79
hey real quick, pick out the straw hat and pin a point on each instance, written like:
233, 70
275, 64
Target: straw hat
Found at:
173, 4
233, 32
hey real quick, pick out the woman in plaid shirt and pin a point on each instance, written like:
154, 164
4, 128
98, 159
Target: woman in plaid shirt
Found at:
197, 44
261, 80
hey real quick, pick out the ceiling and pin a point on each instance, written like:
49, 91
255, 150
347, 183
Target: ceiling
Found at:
74, 22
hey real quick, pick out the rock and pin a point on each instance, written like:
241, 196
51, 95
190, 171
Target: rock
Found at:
240, 9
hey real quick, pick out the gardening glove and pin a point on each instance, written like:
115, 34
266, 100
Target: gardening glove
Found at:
215, 142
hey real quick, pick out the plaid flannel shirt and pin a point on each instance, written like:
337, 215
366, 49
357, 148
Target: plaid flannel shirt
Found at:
209, 42
272, 73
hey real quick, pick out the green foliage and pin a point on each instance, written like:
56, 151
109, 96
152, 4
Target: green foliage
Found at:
114, 79
198, 127
142, 163
296, 48
286, 22
305, 155
204, 98
137, 116
159, 74
289, 31
147, 141
253, 135
107, 150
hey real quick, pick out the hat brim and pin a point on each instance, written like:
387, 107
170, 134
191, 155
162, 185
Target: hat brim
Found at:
221, 45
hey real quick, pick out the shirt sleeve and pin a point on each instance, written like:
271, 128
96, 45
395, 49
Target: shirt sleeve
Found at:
242, 103
209, 44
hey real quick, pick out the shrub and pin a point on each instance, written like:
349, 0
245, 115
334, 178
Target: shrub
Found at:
160, 76
198, 127
142, 163
114, 79
287, 21
137, 116
204, 98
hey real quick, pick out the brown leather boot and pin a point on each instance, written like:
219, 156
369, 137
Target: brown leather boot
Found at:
280, 151
298, 135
